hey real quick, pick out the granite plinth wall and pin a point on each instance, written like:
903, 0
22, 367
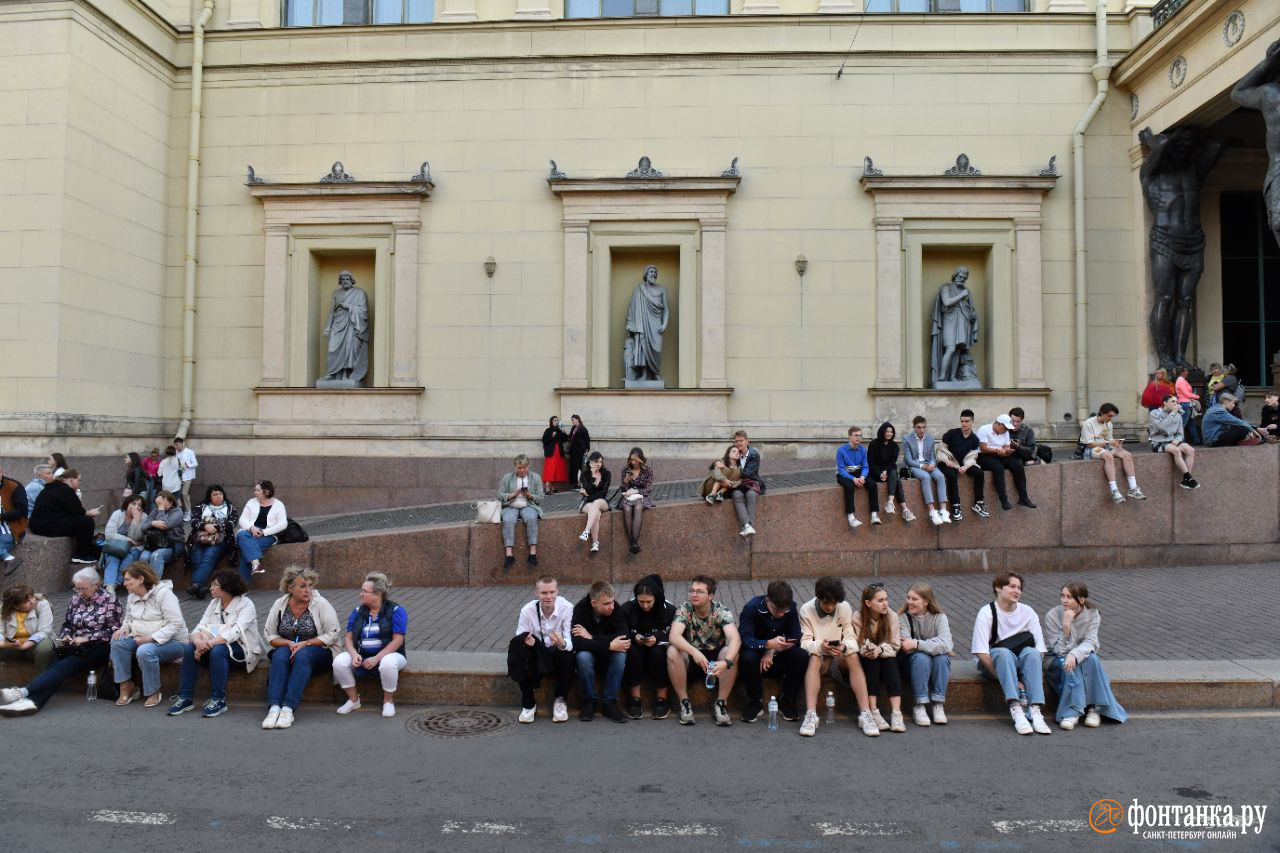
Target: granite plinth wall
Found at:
1234, 517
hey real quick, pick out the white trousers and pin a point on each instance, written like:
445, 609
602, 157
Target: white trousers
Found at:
388, 668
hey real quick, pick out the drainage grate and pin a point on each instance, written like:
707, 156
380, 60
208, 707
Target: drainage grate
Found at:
459, 722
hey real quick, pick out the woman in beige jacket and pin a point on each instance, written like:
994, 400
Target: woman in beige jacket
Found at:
876, 626
153, 630
226, 634
304, 636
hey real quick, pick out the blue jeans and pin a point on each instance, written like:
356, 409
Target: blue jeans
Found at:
1010, 669
617, 665
251, 548
111, 566
510, 516
929, 480
288, 677
6, 545
159, 558
929, 676
1190, 428
204, 559
218, 659
149, 657
44, 685
1086, 685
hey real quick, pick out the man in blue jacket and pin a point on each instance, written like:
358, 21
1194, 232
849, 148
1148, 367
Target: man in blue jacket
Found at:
770, 628
1223, 429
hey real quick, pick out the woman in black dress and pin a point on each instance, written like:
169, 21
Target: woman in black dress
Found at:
595, 498
579, 444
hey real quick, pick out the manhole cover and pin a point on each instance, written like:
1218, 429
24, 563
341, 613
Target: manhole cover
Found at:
459, 722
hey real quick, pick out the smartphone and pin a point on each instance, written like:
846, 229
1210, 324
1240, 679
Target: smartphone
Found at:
833, 643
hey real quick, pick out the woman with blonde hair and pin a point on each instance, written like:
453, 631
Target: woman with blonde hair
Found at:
1073, 666
926, 652
374, 642
875, 627
303, 632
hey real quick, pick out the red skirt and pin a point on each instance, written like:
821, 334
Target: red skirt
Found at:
554, 469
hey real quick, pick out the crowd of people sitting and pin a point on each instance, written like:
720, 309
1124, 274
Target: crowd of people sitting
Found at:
300, 637
870, 649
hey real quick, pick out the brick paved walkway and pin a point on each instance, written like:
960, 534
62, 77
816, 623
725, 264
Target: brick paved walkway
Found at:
564, 502
1200, 613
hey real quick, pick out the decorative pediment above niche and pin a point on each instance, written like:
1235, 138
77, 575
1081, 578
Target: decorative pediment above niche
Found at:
646, 177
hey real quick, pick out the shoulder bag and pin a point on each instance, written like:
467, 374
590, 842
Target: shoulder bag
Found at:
1014, 642
488, 511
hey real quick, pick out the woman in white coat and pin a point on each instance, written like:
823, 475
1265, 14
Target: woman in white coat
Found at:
153, 630
261, 521
226, 634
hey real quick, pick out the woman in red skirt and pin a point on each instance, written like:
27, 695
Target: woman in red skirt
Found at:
554, 469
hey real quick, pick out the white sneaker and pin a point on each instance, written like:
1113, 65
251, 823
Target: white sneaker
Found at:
868, 723
527, 714
854, 523
595, 547
939, 715
1136, 494
888, 507
749, 531
285, 720
1117, 498
273, 717
881, 723
875, 518
560, 712
945, 516
21, 708
895, 722
348, 706
1068, 724
1019, 720
1092, 719
9, 695
585, 535
1038, 723
809, 727
907, 515
388, 709
921, 715
933, 518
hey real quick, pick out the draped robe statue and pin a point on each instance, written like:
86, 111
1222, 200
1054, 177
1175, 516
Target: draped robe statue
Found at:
954, 332
647, 318
348, 332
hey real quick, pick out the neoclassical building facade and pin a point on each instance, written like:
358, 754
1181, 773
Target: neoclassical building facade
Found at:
184, 182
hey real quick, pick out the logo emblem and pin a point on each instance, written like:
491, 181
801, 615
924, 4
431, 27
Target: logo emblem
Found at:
1106, 816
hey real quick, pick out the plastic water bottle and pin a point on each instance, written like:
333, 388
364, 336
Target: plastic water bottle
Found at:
773, 713
831, 707
711, 678
1022, 696
91, 689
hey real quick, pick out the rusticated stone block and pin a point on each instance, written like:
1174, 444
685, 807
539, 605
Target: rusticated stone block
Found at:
435, 556
1015, 528
1237, 499
46, 563
680, 540
560, 553
1090, 518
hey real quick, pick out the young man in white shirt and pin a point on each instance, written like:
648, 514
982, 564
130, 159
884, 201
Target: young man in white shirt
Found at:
995, 454
1098, 442
1015, 625
548, 619
187, 463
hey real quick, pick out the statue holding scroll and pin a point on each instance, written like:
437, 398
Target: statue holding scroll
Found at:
647, 318
954, 332
348, 332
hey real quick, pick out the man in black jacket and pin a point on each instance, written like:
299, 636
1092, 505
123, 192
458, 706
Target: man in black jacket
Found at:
600, 638
58, 512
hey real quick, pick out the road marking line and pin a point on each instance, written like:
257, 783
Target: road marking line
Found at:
146, 818
868, 828
1008, 827
306, 823
671, 830
480, 827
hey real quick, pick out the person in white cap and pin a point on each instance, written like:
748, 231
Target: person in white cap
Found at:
995, 454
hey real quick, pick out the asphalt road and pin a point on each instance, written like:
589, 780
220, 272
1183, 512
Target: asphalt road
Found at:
96, 777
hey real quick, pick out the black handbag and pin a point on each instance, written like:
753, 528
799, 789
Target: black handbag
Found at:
153, 539
292, 534
1014, 642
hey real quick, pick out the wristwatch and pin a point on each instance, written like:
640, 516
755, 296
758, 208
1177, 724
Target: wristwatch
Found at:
728, 664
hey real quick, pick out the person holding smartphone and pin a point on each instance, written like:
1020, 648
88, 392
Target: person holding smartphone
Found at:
649, 616
851, 472
1097, 441
521, 493
770, 628
827, 635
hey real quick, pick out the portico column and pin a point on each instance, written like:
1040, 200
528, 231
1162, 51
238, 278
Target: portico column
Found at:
1029, 308
712, 372
404, 334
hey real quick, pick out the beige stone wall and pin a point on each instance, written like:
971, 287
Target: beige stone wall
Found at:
488, 105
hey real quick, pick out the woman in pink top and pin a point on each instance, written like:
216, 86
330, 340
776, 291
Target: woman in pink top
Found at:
1190, 426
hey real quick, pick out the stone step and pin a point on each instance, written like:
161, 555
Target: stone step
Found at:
479, 678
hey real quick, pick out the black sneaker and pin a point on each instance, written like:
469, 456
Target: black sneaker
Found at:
533, 560
635, 549
180, 706
1187, 482
1028, 503
1193, 483
980, 509
787, 707
634, 710
508, 562
661, 710
613, 712
1005, 505
752, 712
956, 514
588, 712
12, 564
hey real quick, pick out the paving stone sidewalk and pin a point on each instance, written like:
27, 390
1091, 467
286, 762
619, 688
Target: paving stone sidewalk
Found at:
1180, 613
562, 502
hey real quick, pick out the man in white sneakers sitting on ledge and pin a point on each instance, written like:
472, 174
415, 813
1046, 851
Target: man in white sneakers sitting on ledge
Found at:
1008, 647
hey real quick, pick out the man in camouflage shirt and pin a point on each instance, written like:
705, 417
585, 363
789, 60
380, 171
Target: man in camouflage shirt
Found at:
704, 632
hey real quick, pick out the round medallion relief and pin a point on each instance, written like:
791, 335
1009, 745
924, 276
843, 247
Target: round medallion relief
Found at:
1233, 28
1178, 72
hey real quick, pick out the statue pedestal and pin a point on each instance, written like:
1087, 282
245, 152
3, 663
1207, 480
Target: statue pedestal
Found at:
342, 384
645, 384
954, 385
